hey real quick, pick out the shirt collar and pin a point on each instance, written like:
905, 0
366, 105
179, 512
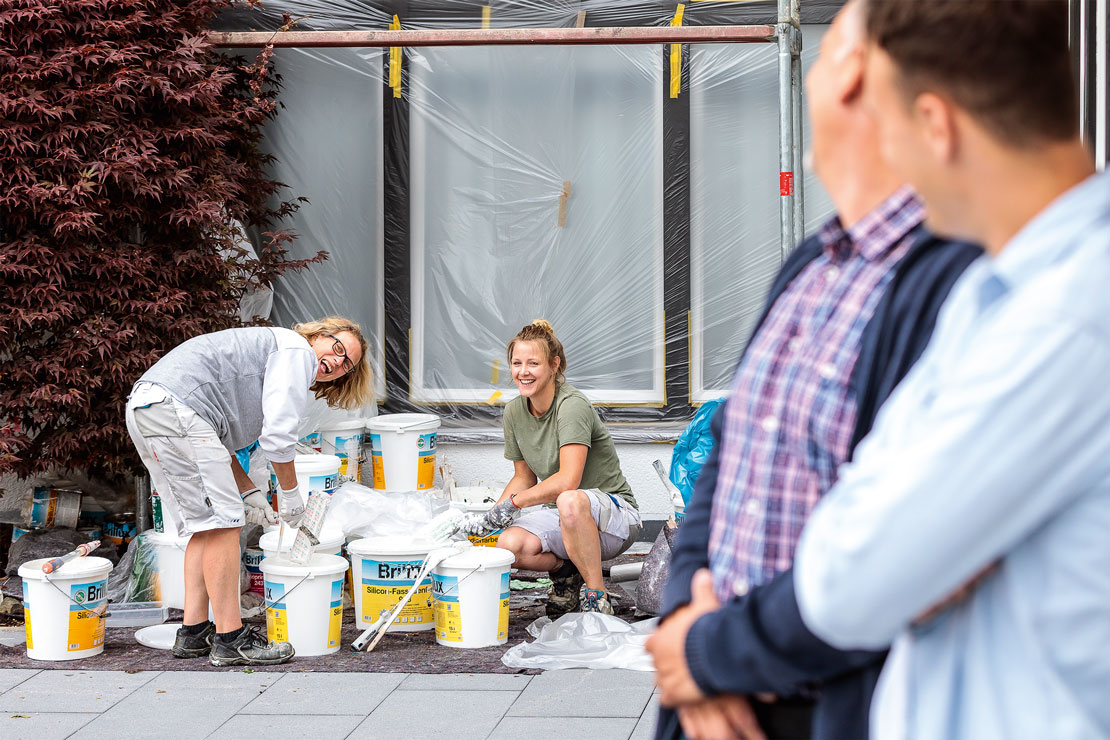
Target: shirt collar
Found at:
879, 231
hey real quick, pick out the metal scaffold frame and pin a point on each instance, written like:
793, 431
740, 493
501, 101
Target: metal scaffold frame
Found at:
787, 33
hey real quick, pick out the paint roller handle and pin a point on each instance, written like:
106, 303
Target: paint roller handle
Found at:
81, 551
435, 557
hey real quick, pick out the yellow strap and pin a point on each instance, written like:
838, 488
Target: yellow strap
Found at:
494, 398
395, 61
676, 55
495, 372
485, 16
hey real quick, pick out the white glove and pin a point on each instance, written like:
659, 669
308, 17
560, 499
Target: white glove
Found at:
290, 506
499, 517
256, 509
475, 525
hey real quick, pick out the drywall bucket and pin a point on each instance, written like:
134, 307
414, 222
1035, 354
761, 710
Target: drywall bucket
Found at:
344, 440
53, 507
471, 593
331, 542
314, 473
169, 549
62, 610
403, 451
383, 570
304, 603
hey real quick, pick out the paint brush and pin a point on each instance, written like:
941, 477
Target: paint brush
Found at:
80, 552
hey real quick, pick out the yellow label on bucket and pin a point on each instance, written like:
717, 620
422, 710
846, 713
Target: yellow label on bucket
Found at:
86, 625
503, 608
485, 540
376, 461
448, 616
385, 583
27, 624
277, 626
335, 623
426, 457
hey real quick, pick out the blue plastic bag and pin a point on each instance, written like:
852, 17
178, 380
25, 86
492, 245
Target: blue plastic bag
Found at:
692, 450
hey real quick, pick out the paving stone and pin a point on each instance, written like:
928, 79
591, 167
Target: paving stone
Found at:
585, 693
325, 693
42, 725
286, 727
465, 682
645, 728
10, 677
72, 691
560, 728
415, 715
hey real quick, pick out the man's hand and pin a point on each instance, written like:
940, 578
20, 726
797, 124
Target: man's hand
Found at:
256, 509
724, 717
291, 506
668, 645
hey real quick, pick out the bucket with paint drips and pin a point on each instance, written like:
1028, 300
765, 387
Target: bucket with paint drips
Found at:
403, 451
383, 570
64, 611
304, 603
471, 598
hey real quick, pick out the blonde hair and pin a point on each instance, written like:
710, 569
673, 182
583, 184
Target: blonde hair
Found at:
540, 332
353, 390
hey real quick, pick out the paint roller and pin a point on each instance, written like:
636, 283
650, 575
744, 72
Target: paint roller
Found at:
80, 552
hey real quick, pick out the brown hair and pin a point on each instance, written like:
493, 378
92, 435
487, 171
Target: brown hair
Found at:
1006, 62
352, 390
540, 332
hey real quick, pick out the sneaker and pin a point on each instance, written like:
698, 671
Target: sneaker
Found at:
595, 601
563, 597
194, 646
249, 648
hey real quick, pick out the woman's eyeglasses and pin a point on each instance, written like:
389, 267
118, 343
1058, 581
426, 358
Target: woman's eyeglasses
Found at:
340, 351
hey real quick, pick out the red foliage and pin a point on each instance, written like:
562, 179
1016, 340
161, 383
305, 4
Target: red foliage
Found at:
128, 149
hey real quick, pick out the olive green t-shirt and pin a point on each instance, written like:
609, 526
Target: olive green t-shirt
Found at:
570, 420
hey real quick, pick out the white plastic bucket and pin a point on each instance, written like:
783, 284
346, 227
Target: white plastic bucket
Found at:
304, 603
403, 451
314, 473
331, 542
252, 561
60, 609
471, 593
383, 570
344, 440
169, 550
464, 503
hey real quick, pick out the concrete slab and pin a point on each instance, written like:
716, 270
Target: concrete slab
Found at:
585, 693
325, 693
416, 715
43, 725
72, 691
286, 727
10, 677
560, 728
465, 682
645, 728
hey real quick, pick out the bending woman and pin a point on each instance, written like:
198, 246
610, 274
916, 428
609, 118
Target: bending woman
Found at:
207, 397
564, 459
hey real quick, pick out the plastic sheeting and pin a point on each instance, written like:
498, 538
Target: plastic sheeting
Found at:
584, 640
364, 512
510, 183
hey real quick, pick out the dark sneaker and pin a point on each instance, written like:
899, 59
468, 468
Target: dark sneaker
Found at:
595, 601
249, 648
563, 597
194, 646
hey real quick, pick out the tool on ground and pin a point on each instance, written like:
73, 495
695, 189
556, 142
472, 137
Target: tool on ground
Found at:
672, 489
80, 552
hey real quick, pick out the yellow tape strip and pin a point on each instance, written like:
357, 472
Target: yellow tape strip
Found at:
676, 55
395, 61
494, 398
495, 372
485, 15
580, 22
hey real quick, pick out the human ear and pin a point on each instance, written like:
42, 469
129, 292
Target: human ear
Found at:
936, 118
849, 75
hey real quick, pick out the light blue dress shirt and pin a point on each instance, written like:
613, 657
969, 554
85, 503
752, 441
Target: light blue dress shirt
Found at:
995, 449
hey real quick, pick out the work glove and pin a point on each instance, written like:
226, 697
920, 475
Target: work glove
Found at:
290, 506
256, 509
498, 517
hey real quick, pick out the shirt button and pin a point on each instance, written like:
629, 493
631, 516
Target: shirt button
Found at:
832, 273
741, 588
827, 370
752, 507
770, 424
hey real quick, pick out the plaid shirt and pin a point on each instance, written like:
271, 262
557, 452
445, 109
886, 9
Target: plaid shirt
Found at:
791, 411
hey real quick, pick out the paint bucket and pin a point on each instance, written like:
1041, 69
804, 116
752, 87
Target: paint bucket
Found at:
169, 553
403, 451
52, 507
331, 542
18, 532
120, 529
304, 603
61, 610
313, 441
252, 559
471, 593
383, 570
479, 540
314, 473
344, 440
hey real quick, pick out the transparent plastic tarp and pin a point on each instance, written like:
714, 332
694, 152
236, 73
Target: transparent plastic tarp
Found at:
584, 640
488, 186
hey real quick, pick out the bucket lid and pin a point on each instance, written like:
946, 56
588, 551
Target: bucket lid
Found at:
393, 545
479, 557
316, 463
343, 426
329, 537
403, 422
87, 567
155, 537
318, 565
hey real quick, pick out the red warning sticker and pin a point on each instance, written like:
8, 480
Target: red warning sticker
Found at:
786, 183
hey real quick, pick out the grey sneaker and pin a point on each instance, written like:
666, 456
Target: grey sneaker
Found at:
194, 646
249, 648
563, 597
595, 601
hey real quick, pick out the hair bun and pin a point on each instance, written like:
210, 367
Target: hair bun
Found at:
543, 324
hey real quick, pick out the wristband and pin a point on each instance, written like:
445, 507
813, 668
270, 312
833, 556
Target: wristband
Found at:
512, 500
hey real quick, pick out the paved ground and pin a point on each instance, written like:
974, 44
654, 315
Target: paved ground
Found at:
594, 704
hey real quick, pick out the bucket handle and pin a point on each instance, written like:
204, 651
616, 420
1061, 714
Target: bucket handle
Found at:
402, 427
100, 611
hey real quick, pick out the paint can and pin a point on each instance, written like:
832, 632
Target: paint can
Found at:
344, 440
120, 529
18, 532
304, 603
403, 451
314, 473
52, 507
252, 560
471, 597
383, 570
63, 610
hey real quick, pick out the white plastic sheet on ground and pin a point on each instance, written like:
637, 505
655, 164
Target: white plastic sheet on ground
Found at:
587, 640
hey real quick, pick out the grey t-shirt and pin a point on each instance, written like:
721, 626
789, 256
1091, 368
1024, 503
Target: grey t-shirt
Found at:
570, 420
